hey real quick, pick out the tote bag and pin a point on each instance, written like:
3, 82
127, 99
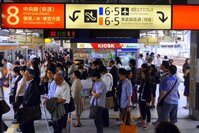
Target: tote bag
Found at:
127, 128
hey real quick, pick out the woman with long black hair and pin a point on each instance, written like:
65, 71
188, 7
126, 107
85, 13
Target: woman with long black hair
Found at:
145, 99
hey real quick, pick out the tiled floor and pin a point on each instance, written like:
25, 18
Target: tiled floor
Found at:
185, 124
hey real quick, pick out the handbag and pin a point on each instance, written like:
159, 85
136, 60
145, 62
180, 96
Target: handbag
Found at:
94, 109
127, 128
4, 107
30, 113
160, 104
71, 105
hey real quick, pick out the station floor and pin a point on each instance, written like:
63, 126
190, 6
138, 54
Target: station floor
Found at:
185, 124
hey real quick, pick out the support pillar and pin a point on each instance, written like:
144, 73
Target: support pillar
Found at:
194, 76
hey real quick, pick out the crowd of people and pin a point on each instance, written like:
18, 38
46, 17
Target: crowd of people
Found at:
60, 83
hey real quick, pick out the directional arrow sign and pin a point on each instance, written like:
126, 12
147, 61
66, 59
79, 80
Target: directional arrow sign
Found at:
74, 17
108, 16
162, 18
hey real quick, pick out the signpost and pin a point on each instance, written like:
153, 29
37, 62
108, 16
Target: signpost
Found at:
103, 16
81, 16
33, 16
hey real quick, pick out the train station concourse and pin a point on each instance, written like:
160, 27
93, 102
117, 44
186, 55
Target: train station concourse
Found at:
99, 66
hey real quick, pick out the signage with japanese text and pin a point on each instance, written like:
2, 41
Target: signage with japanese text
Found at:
33, 16
99, 16
81, 16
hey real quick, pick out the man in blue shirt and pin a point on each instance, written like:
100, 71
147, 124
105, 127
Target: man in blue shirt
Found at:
51, 83
170, 88
164, 67
98, 99
125, 96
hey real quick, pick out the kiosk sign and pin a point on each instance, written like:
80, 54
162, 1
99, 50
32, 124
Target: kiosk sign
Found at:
81, 16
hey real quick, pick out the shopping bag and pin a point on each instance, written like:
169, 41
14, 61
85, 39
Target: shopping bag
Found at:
127, 128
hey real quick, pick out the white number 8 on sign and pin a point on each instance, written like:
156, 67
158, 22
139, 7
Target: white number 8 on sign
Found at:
13, 15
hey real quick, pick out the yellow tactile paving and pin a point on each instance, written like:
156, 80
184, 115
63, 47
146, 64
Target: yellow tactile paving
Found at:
12, 128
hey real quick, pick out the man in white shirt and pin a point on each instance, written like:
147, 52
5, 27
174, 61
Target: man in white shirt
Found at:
158, 61
7, 64
62, 94
140, 61
32, 56
107, 78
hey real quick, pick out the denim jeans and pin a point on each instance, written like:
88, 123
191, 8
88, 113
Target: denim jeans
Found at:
99, 121
169, 111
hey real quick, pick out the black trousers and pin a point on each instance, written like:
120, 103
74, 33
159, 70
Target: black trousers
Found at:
16, 106
3, 126
99, 121
145, 111
28, 127
59, 125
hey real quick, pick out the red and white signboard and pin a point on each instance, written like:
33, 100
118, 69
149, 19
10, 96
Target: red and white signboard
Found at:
106, 45
109, 45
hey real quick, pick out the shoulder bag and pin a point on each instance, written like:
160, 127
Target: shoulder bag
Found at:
70, 107
4, 107
30, 113
94, 109
162, 100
